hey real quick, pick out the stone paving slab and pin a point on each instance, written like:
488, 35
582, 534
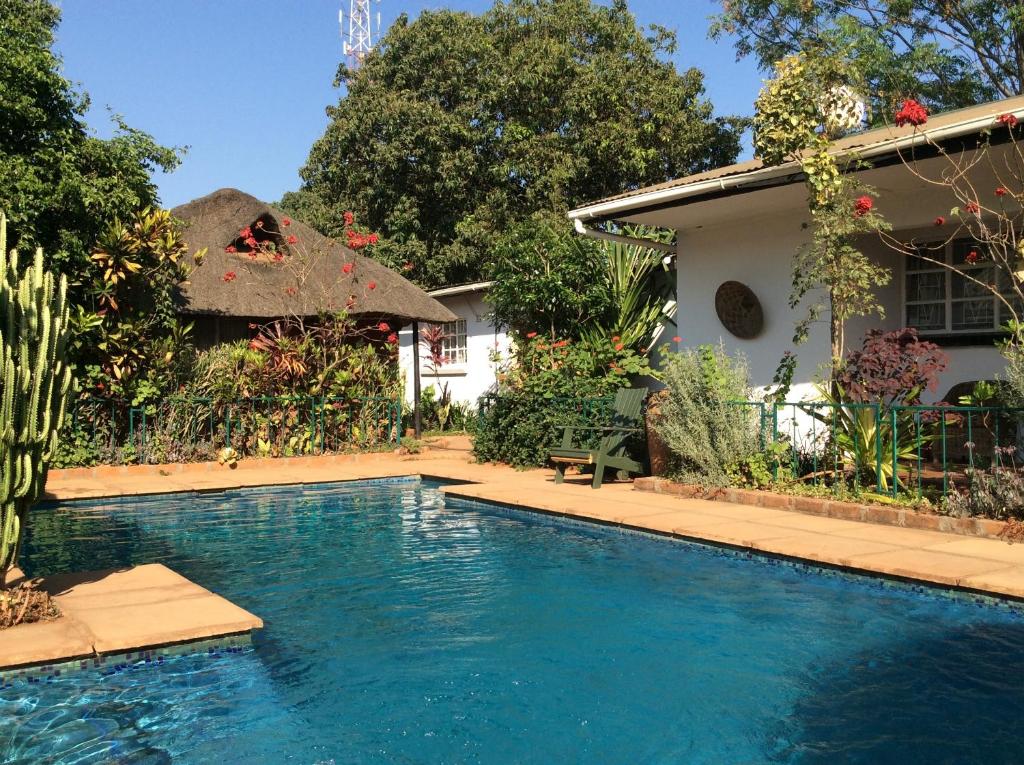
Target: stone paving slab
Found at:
122, 610
986, 565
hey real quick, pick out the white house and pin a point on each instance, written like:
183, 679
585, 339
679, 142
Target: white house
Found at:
473, 348
739, 226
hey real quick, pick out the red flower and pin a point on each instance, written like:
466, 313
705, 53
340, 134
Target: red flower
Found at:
347, 268
384, 327
972, 257
393, 338
372, 239
677, 339
251, 241
292, 239
615, 339
100, 385
1010, 120
972, 207
1001, 191
348, 217
618, 346
911, 113
278, 257
245, 233
940, 221
372, 285
407, 266
530, 335
286, 221
863, 206
231, 248
230, 276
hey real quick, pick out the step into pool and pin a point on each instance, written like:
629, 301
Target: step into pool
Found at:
401, 628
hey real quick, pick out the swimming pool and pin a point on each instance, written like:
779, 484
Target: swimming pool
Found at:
401, 630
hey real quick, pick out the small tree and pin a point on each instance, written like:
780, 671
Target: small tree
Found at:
800, 112
35, 384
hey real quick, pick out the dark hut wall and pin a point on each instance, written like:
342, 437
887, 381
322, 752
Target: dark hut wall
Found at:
209, 331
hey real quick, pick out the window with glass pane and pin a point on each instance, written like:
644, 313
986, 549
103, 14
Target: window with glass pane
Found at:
939, 300
454, 345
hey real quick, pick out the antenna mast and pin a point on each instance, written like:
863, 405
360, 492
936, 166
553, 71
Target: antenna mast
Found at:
361, 31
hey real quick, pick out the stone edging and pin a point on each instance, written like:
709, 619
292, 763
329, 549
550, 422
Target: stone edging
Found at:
850, 511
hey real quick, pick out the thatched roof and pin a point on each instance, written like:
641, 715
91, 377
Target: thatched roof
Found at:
307, 277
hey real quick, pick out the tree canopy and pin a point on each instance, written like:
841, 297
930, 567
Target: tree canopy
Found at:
947, 53
60, 185
459, 125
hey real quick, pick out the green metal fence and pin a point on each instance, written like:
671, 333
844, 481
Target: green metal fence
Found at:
922, 450
185, 428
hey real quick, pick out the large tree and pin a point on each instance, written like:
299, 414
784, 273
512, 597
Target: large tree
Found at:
948, 53
459, 125
61, 186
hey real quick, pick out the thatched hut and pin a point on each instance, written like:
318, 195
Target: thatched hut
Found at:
238, 285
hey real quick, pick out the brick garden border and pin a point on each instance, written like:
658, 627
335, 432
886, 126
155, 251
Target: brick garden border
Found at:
851, 511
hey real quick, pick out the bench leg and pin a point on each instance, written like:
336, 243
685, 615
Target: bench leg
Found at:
559, 472
598, 474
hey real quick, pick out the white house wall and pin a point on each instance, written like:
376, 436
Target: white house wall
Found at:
754, 244
466, 382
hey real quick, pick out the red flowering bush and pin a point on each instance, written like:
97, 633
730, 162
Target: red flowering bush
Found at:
1010, 120
911, 113
972, 207
862, 206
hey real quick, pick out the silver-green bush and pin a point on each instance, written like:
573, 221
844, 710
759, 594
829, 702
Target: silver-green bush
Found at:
703, 421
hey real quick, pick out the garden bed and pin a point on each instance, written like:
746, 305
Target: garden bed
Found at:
852, 511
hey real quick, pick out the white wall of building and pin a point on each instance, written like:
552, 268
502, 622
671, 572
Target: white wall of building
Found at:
466, 381
752, 239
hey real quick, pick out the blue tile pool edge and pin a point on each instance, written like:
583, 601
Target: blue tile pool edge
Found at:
965, 595
107, 664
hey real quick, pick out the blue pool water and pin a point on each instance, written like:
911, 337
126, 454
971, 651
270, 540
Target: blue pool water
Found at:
399, 630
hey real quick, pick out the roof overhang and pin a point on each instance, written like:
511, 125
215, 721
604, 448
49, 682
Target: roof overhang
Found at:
628, 206
460, 289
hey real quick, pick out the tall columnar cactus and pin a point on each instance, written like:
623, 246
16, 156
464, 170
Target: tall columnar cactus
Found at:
35, 385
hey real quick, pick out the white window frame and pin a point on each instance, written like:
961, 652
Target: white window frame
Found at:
949, 252
454, 348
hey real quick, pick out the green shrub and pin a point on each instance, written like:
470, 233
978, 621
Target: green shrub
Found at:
552, 384
712, 437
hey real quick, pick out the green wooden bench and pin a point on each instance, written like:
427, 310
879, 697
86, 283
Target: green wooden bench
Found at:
614, 449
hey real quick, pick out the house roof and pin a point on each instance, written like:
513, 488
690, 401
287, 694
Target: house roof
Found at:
754, 174
461, 289
308, 280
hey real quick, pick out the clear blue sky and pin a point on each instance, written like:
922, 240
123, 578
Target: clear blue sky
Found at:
244, 84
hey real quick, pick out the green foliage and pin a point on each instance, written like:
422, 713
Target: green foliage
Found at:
994, 493
713, 437
35, 385
543, 104
61, 185
948, 54
551, 384
545, 279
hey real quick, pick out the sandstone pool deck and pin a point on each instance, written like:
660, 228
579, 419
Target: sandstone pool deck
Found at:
119, 611
987, 566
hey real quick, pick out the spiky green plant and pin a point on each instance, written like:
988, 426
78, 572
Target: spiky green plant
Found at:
35, 385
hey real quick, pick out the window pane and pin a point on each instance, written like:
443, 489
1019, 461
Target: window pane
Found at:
454, 344
1004, 313
974, 314
964, 287
931, 286
933, 250
929, 316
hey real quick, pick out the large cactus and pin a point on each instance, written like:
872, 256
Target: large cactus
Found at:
35, 385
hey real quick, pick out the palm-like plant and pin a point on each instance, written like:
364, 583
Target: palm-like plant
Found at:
639, 304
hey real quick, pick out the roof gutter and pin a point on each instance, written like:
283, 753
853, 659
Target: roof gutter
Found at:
609, 210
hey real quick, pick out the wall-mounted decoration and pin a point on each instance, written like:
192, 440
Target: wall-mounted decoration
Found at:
739, 310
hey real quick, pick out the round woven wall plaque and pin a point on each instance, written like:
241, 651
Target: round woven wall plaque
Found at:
739, 310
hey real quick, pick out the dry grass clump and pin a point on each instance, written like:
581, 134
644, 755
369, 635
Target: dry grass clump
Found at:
24, 604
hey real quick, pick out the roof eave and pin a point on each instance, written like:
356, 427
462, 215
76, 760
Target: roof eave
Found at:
777, 175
